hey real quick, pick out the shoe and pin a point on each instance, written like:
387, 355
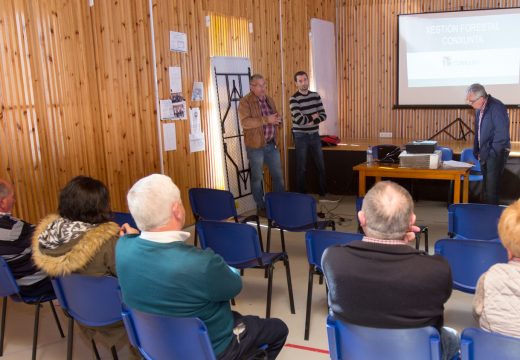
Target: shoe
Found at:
261, 212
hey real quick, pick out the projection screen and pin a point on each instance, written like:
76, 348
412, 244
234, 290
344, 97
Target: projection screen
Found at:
441, 54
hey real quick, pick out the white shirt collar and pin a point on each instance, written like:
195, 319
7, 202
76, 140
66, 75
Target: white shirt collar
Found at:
164, 236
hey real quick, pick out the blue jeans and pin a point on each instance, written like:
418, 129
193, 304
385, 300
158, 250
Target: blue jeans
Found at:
270, 156
450, 343
492, 169
304, 143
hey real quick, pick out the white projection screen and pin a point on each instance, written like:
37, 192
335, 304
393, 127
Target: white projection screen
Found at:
441, 54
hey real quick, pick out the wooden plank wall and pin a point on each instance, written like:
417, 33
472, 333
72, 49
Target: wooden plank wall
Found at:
77, 89
367, 70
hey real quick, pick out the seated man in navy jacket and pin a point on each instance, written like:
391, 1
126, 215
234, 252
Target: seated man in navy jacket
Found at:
381, 281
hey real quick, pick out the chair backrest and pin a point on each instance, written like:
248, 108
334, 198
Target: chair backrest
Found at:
90, 300
478, 344
161, 337
469, 259
8, 285
212, 204
467, 156
474, 221
121, 217
447, 153
348, 341
319, 240
291, 210
236, 243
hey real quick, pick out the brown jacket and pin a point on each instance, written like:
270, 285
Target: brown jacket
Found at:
91, 254
252, 121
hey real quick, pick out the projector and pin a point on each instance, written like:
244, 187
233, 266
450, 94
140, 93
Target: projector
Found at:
420, 161
421, 147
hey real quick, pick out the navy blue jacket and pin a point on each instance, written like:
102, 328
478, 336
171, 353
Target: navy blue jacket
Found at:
494, 137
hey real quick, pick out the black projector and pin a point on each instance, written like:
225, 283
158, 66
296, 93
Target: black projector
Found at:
421, 147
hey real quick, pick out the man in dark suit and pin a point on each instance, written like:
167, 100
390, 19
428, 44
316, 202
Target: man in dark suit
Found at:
492, 141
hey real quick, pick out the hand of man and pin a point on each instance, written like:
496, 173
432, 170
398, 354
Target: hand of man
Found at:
315, 116
273, 119
127, 229
410, 235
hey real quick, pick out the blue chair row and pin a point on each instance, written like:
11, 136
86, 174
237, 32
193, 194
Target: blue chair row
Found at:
354, 342
9, 288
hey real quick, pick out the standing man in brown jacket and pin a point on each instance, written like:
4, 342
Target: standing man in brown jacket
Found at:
261, 124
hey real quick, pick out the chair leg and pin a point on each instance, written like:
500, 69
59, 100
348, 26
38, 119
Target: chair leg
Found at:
289, 282
259, 234
94, 348
35, 331
321, 279
269, 291
4, 312
113, 350
309, 301
269, 235
70, 338
56, 319
195, 237
426, 239
233, 301
283, 240
417, 240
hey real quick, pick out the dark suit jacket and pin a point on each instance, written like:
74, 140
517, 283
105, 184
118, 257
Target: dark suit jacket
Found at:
494, 130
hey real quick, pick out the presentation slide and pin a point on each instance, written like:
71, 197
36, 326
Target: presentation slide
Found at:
441, 54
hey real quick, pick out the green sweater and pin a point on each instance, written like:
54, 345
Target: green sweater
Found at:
179, 280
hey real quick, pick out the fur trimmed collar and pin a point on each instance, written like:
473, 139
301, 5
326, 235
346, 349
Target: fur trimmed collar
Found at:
80, 254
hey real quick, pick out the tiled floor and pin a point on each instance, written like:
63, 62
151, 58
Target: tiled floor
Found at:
18, 338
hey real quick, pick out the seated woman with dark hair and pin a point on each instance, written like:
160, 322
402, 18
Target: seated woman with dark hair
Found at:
81, 239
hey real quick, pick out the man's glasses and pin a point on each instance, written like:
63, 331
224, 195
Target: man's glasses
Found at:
471, 102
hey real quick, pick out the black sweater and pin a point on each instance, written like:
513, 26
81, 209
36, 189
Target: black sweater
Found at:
386, 286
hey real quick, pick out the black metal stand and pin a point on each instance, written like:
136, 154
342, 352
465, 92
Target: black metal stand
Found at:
464, 130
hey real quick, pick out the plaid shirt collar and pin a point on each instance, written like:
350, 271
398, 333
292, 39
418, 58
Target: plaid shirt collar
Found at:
384, 242
269, 129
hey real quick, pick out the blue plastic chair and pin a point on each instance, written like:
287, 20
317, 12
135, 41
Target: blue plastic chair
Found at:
474, 221
316, 242
469, 259
121, 217
288, 211
447, 153
238, 244
478, 344
475, 172
160, 337
89, 300
9, 287
217, 205
348, 341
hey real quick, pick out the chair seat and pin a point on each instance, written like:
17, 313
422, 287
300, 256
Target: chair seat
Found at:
320, 225
267, 258
32, 300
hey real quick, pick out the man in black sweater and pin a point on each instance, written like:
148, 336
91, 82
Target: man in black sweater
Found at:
383, 282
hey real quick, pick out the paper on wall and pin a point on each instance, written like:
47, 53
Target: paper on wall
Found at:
197, 142
166, 109
178, 41
174, 73
169, 137
198, 91
195, 125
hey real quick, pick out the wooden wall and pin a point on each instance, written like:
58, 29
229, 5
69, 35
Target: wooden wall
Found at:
78, 94
367, 70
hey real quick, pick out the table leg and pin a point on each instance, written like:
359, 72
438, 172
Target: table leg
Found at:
465, 189
362, 184
456, 190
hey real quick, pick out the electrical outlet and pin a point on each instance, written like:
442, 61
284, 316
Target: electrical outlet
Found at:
385, 134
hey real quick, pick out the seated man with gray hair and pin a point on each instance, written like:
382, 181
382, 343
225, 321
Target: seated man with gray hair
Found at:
381, 281
160, 274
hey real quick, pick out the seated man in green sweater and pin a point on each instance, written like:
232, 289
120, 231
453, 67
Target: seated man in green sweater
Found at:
159, 273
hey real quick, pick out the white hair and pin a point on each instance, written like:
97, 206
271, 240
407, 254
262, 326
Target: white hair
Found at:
151, 199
